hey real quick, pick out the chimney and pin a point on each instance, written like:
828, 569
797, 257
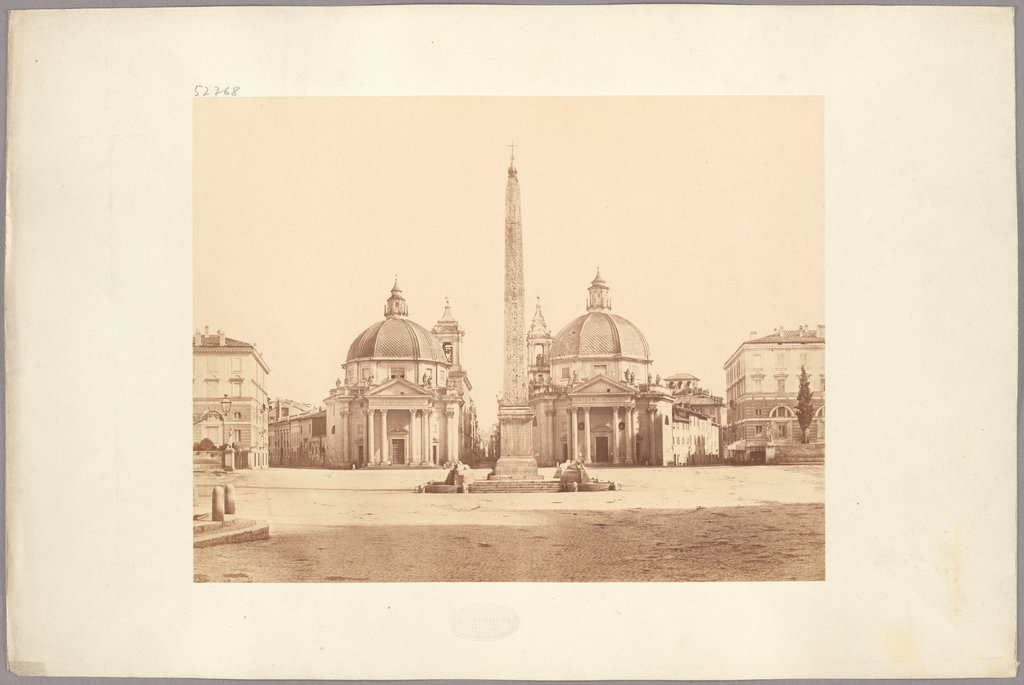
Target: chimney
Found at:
753, 334
220, 336
821, 331
206, 330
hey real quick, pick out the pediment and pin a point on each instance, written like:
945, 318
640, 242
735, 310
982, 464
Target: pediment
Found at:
602, 385
398, 387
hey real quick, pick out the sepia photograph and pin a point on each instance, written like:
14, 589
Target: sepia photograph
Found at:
508, 326
507, 339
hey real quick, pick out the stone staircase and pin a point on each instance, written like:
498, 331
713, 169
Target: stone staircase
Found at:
813, 453
498, 486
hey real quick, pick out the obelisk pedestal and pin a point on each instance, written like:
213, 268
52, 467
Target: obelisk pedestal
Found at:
515, 459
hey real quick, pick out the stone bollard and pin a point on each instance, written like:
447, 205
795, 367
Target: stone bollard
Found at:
218, 504
229, 499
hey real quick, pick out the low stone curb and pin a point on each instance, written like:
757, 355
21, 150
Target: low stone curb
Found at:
210, 533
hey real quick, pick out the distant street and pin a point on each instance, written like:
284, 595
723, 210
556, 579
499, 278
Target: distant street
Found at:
666, 524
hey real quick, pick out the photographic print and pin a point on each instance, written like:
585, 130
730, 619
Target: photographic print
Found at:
508, 324
508, 339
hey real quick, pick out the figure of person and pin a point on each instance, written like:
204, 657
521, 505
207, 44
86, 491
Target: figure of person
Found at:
575, 377
657, 380
649, 379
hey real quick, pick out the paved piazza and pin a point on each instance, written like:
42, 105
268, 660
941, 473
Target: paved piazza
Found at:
666, 524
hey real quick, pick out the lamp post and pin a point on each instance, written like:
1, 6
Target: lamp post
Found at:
225, 407
229, 452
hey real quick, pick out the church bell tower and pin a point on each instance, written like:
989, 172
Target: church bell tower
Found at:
449, 336
538, 342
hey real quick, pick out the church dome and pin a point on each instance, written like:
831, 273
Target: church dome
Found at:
601, 334
396, 337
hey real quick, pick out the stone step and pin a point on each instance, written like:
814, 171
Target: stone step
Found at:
499, 486
801, 460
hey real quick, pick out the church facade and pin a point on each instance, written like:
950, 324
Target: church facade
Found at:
401, 396
591, 390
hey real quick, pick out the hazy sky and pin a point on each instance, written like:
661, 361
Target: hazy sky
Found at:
706, 216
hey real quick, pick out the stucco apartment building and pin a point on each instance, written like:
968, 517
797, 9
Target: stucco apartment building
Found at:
762, 381
231, 374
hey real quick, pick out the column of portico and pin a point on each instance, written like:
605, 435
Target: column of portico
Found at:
617, 456
586, 435
630, 437
568, 433
574, 432
385, 446
430, 434
412, 455
424, 428
552, 443
369, 436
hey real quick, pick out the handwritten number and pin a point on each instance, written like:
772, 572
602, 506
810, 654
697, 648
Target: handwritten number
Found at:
217, 91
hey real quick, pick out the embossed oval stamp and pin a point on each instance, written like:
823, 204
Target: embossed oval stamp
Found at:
484, 621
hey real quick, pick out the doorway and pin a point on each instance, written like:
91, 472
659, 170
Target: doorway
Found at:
601, 448
397, 450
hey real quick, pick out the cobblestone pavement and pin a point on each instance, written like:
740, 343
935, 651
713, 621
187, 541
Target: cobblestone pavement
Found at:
667, 524
768, 542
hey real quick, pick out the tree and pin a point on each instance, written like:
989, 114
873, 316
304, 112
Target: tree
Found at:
804, 408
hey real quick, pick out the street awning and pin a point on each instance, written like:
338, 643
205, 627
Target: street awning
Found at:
738, 445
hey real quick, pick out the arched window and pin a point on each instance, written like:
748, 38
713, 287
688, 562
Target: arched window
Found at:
782, 412
666, 419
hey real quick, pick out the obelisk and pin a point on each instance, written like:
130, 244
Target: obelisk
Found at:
515, 418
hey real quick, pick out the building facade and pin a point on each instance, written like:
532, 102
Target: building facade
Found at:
299, 440
400, 397
762, 381
695, 438
229, 373
699, 417
592, 392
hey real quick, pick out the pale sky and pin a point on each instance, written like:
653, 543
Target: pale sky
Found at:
706, 216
